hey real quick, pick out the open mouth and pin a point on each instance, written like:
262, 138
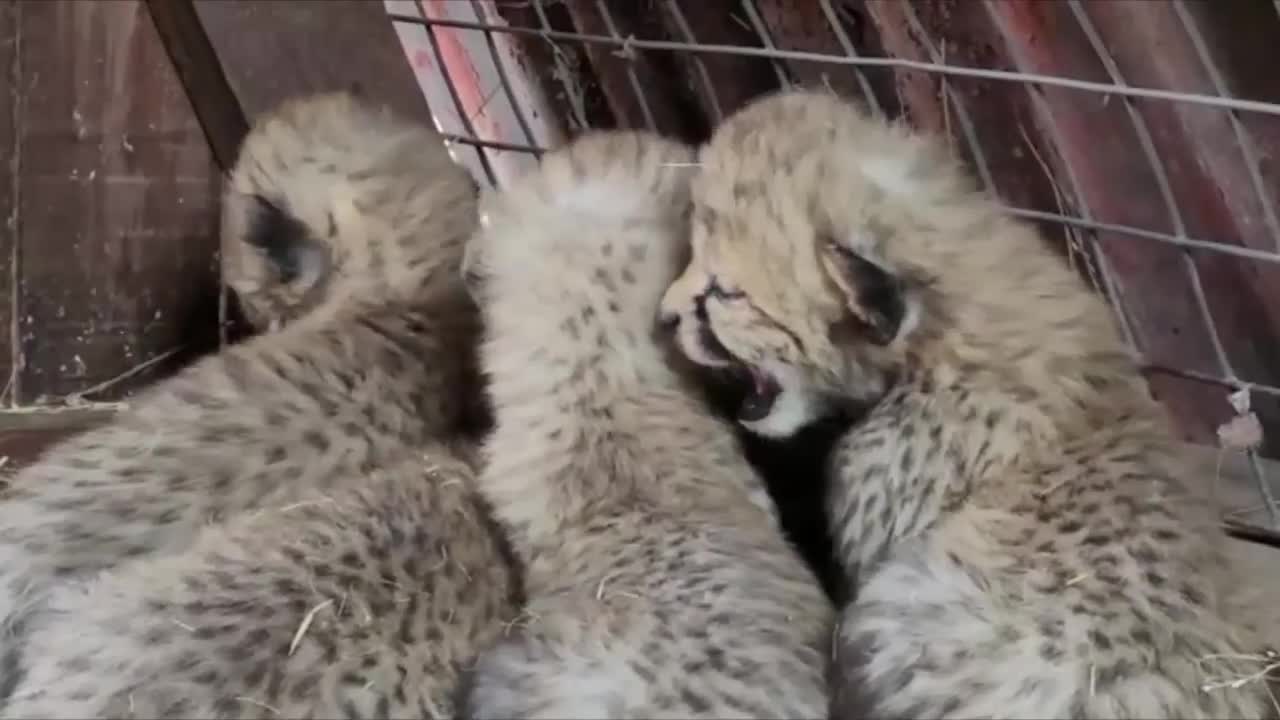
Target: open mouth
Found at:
761, 388
762, 393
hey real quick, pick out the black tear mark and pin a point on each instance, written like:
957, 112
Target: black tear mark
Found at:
281, 236
880, 293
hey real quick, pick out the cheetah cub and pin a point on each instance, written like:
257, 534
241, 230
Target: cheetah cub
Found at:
1012, 509
345, 232
362, 601
659, 584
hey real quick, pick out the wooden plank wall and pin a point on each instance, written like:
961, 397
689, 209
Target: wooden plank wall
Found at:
109, 187
10, 108
111, 192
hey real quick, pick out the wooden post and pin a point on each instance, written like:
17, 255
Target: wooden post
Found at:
198, 67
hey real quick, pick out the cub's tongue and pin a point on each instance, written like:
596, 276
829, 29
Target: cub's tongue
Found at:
759, 400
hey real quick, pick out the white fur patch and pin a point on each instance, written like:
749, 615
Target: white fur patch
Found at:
609, 196
795, 407
891, 172
910, 319
580, 683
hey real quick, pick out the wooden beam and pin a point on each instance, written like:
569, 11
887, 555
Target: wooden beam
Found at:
271, 50
25, 435
193, 57
240, 59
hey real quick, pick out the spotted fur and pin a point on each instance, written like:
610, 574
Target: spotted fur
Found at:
659, 584
281, 472
366, 600
1013, 513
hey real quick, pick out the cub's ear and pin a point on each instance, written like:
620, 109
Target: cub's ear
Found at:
873, 296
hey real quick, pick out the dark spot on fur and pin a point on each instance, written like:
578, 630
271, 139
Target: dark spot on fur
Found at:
1141, 636
1145, 554
304, 687
1070, 526
1191, 594
285, 586
1100, 641
906, 463
258, 636
1051, 628
696, 704
316, 440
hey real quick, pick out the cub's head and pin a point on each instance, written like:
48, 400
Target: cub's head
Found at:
332, 199
600, 220
818, 241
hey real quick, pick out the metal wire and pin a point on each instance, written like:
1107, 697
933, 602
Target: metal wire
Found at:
1257, 106
1109, 283
1175, 215
493, 144
1028, 213
562, 73
458, 105
682, 24
961, 111
757, 26
1162, 180
627, 56
1245, 143
1242, 138
1175, 236
505, 81
846, 45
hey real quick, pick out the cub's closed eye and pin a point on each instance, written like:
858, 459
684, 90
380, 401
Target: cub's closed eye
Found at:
715, 290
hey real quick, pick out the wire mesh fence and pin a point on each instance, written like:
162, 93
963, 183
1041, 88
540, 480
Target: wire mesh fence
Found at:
1138, 135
